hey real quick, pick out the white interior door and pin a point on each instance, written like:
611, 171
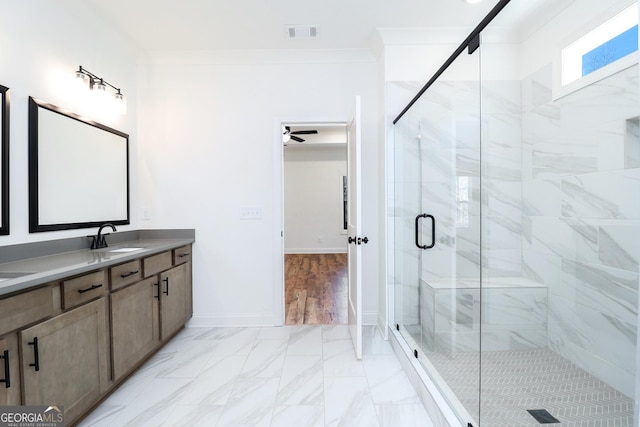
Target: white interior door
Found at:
354, 231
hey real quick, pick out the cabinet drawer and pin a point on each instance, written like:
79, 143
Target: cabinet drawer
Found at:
182, 255
84, 288
27, 308
156, 263
125, 274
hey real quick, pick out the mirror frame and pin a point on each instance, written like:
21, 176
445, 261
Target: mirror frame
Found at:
34, 192
4, 160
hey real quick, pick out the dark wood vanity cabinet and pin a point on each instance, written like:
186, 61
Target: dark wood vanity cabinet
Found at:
16, 313
65, 360
135, 329
173, 300
73, 341
149, 312
9, 370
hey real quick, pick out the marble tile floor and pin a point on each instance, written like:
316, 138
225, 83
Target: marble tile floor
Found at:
275, 376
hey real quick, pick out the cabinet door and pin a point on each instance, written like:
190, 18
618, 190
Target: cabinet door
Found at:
174, 310
134, 325
65, 359
9, 371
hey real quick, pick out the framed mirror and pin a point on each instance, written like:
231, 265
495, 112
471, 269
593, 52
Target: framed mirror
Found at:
4, 160
78, 171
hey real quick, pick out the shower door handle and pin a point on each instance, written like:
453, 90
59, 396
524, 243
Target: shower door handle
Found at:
433, 231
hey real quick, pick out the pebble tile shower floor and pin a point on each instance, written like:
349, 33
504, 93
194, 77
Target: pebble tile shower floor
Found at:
515, 381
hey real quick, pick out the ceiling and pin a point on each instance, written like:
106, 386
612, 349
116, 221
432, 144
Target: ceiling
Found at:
156, 25
328, 133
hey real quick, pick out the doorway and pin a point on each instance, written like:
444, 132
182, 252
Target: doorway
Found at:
315, 234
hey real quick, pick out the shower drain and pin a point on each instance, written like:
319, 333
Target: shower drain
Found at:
543, 416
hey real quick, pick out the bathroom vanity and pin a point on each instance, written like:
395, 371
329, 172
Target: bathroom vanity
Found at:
74, 325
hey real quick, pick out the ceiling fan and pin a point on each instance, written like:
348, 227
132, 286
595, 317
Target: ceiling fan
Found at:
287, 134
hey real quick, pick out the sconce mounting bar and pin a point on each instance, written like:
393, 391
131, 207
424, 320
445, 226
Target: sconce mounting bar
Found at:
93, 78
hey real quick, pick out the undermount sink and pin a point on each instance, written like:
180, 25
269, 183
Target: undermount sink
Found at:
127, 249
6, 275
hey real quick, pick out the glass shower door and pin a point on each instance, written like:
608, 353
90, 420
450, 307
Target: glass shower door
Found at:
437, 232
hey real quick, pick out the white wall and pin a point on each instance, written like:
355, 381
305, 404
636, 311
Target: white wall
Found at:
42, 43
313, 200
202, 141
210, 135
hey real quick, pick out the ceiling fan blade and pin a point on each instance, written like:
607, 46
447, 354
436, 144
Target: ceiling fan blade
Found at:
304, 132
295, 138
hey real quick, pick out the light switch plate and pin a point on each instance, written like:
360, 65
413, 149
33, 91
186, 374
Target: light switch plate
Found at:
145, 213
250, 212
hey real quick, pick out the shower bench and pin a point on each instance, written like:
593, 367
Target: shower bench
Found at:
512, 312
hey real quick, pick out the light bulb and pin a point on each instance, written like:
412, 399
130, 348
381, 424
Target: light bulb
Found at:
121, 104
100, 87
81, 80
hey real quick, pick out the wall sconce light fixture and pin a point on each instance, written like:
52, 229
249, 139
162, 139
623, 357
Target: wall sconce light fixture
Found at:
99, 86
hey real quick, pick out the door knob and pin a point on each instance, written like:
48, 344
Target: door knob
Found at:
365, 240
352, 239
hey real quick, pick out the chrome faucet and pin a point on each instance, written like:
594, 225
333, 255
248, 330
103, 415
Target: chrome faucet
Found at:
99, 240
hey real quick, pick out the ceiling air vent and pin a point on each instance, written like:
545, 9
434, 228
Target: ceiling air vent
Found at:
303, 31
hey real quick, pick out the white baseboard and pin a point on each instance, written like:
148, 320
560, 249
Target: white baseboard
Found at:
230, 320
315, 251
369, 318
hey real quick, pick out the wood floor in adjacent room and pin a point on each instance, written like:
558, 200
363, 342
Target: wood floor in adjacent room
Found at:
316, 289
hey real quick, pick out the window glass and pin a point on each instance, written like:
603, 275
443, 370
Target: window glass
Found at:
605, 44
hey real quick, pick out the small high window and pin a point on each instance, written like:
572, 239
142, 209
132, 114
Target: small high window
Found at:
605, 44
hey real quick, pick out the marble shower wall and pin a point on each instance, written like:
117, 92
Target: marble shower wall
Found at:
581, 218
502, 178
560, 207
450, 151
450, 138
